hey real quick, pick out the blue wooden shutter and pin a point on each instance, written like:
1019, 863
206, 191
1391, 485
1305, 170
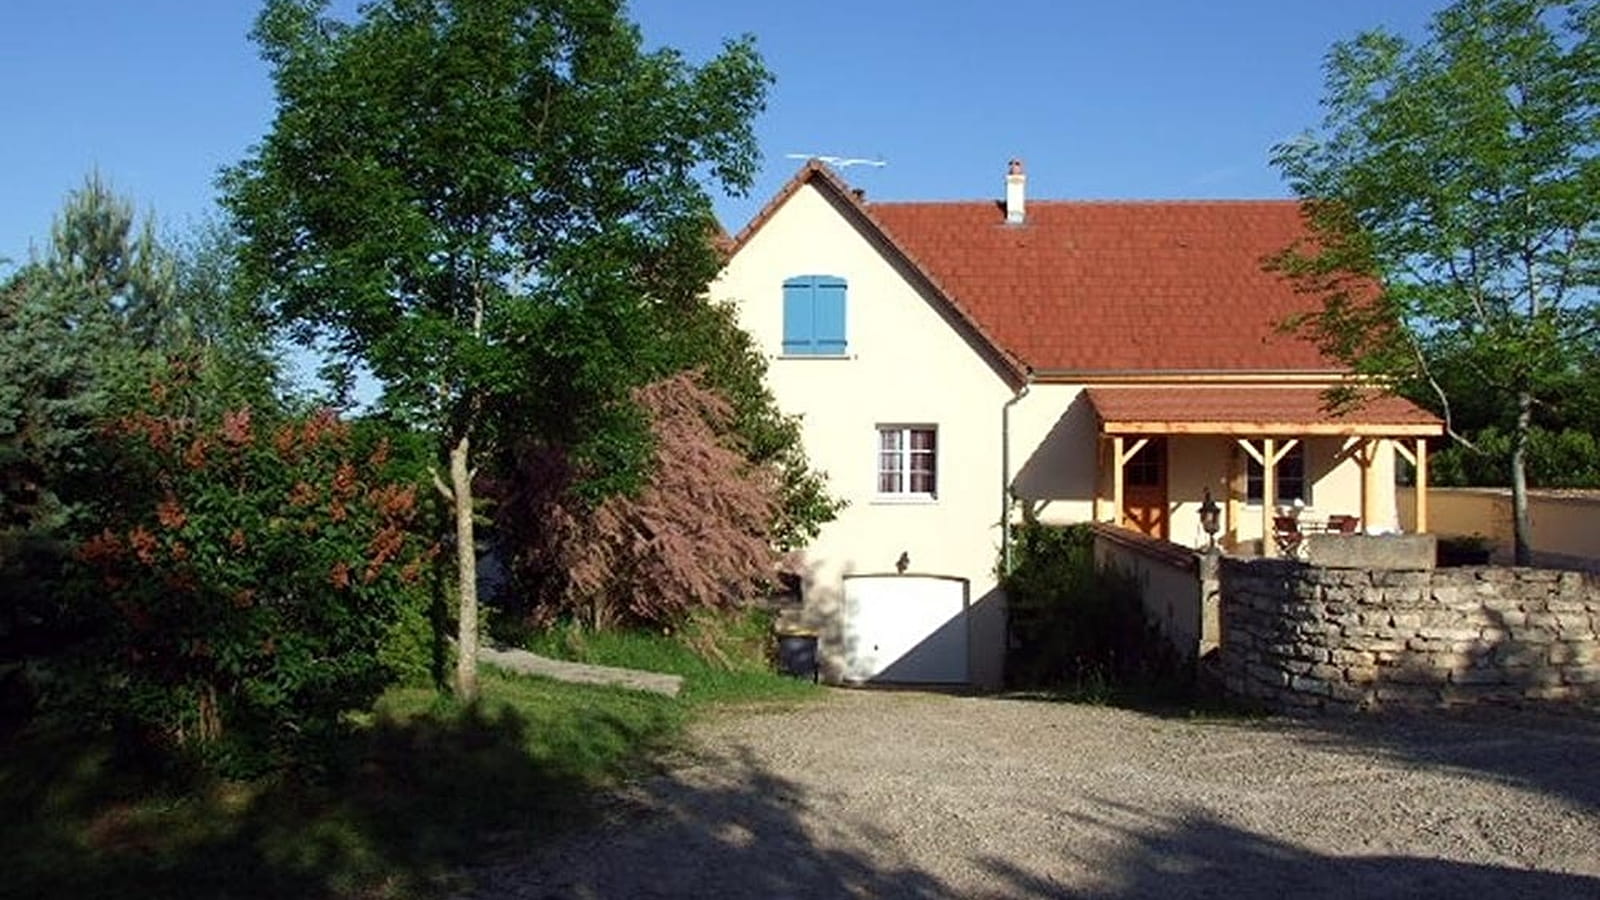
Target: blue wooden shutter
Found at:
799, 334
828, 317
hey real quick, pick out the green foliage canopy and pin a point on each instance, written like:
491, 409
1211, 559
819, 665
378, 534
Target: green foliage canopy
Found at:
487, 200
1461, 173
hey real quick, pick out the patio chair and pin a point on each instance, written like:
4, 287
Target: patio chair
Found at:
1343, 524
1286, 532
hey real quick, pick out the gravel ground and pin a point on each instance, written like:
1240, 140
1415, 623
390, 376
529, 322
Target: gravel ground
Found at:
879, 794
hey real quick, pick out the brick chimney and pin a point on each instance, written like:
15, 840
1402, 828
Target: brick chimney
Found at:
1016, 191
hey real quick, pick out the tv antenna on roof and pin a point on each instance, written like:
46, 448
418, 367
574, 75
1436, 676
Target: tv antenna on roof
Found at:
840, 162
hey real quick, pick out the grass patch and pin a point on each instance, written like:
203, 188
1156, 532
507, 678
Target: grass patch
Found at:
413, 794
422, 786
724, 658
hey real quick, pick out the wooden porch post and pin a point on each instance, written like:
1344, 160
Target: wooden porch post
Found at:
1116, 480
1421, 462
1364, 457
1269, 492
1235, 491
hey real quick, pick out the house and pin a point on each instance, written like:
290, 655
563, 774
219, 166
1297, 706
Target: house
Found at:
959, 365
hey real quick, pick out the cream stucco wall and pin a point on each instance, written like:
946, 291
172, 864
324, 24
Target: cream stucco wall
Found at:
907, 364
1564, 522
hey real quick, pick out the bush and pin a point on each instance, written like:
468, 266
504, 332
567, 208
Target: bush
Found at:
698, 536
1556, 459
1073, 624
249, 582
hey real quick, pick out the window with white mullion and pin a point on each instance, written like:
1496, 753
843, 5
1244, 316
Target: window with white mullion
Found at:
907, 461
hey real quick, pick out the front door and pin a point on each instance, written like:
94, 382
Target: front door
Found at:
1144, 490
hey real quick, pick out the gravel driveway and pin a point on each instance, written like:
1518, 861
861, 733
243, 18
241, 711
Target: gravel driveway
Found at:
879, 794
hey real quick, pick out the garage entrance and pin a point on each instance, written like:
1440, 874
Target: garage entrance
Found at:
906, 629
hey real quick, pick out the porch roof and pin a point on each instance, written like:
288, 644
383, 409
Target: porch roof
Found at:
1260, 411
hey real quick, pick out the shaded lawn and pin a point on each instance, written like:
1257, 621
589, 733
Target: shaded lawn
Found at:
724, 659
423, 786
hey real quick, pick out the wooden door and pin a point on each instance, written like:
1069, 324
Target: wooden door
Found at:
1144, 490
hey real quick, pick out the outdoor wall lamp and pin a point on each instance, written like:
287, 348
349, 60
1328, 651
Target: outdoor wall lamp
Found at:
1210, 518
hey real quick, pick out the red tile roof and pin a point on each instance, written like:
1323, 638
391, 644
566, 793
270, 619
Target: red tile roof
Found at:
1117, 286
1253, 410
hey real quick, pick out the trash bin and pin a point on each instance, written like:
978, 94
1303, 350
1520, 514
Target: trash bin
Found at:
797, 653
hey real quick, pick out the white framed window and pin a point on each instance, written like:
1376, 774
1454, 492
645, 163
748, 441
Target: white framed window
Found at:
1291, 485
908, 461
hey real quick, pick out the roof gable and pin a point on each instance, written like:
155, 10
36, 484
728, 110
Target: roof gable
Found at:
815, 173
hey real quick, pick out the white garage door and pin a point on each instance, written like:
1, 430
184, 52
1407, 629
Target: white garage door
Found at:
905, 628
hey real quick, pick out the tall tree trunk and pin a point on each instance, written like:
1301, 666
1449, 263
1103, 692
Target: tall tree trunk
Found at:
1521, 527
466, 574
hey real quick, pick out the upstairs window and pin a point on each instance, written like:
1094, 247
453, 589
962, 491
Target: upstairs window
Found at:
907, 461
813, 316
1291, 484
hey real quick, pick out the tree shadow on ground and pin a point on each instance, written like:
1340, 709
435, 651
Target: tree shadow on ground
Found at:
1551, 752
1124, 852
395, 812
715, 826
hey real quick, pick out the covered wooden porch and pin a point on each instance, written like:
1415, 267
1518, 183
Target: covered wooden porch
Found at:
1143, 432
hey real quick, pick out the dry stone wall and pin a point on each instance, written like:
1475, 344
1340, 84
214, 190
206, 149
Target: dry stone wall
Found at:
1302, 638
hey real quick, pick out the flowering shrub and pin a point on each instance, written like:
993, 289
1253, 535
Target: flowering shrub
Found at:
699, 535
245, 579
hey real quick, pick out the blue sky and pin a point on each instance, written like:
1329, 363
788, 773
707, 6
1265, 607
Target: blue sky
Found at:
1165, 98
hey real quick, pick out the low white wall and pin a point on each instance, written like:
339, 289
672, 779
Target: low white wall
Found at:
1566, 524
1170, 584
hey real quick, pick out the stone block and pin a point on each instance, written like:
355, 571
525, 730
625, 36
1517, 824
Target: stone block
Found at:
1559, 692
1403, 580
1326, 672
1350, 657
1450, 595
1532, 635
1349, 693
1267, 675
1406, 695
1477, 676
1427, 645
1449, 634
1563, 604
1308, 685
1510, 618
1479, 695
1522, 655
1416, 674
1543, 620
1361, 674
1580, 675
1450, 660
1575, 652
1379, 552
1405, 620
1438, 619
1493, 635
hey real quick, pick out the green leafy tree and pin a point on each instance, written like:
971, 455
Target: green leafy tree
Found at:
487, 202
72, 325
1460, 173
